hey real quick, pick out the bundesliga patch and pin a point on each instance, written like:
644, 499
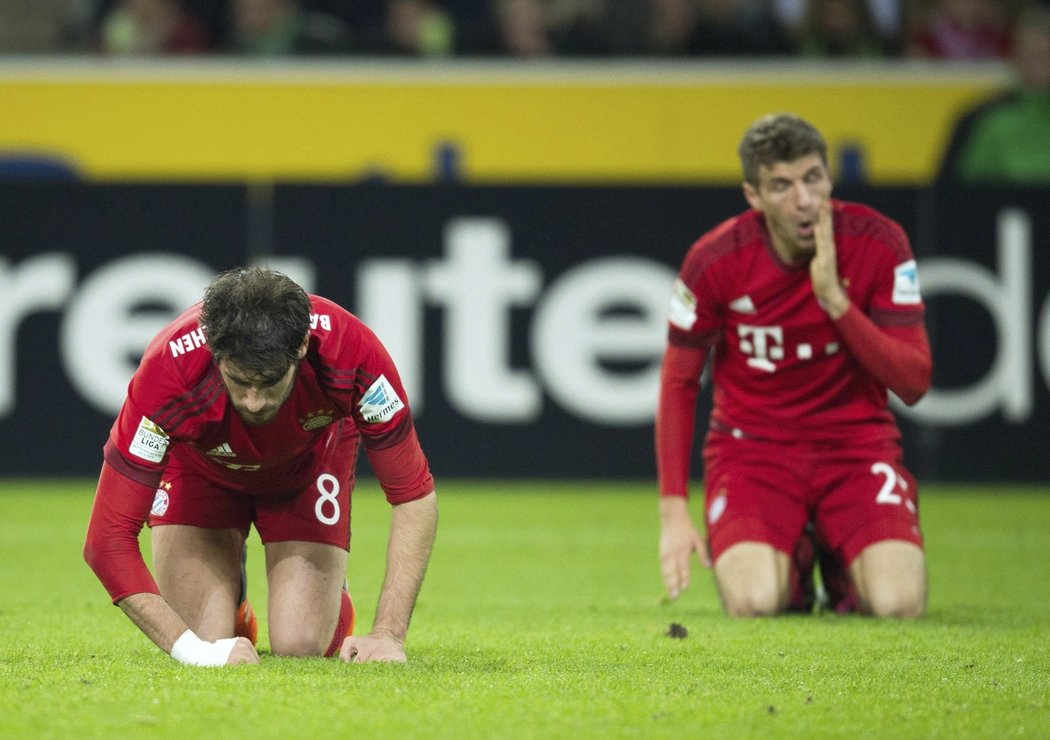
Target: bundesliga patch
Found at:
683, 306
380, 402
150, 442
906, 284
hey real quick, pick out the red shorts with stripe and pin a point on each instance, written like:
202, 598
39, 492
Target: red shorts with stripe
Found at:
319, 512
764, 491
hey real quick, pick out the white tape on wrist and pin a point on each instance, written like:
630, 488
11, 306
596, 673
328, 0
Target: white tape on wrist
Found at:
192, 650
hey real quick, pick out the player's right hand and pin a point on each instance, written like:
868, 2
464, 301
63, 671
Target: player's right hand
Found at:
823, 269
367, 648
679, 539
243, 652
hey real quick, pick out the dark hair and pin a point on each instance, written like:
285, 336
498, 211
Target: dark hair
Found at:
778, 137
256, 318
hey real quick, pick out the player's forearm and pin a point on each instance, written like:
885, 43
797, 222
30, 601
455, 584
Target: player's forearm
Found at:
676, 418
898, 358
157, 620
161, 624
412, 531
673, 510
835, 302
111, 547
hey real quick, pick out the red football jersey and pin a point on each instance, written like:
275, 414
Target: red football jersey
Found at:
780, 369
346, 385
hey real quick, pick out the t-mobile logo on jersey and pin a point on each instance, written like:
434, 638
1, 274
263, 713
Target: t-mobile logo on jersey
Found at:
764, 344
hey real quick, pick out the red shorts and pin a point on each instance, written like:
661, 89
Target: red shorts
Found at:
765, 491
319, 512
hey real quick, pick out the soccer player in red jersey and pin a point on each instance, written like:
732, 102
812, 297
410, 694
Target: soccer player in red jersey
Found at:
248, 410
809, 309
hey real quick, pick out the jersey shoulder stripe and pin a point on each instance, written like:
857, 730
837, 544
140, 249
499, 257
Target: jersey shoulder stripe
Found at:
357, 379
192, 403
862, 222
728, 237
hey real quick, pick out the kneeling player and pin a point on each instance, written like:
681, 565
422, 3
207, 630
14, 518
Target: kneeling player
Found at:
248, 409
810, 310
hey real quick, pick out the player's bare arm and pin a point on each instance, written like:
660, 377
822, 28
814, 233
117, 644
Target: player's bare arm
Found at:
679, 539
823, 269
155, 618
111, 549
159, 622
674, 429
412, 531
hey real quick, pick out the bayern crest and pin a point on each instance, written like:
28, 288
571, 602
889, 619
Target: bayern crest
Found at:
160, 503
316, 419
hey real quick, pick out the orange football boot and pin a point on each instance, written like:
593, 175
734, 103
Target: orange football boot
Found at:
246, 625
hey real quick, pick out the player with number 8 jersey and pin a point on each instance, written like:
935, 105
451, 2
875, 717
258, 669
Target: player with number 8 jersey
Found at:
248, 410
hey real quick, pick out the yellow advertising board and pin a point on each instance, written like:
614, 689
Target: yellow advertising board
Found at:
484, 123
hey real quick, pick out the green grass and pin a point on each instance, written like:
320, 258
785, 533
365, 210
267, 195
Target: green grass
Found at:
542, 616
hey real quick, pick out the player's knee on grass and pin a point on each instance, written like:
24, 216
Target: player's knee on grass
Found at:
301, 642
901, 598
752, 603
890, 579
300, 635
752, 580
298, 645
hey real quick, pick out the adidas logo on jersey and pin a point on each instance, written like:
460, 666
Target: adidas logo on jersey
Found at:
743, 304
222, 450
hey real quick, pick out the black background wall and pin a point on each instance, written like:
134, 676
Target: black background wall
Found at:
527, 320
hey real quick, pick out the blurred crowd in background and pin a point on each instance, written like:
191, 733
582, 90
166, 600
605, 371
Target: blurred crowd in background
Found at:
1004, 139
848, 29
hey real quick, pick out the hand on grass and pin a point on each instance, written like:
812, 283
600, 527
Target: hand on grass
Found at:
372, 648
243, 652
679, 539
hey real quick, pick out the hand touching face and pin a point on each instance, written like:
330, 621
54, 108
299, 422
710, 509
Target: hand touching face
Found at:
790, 196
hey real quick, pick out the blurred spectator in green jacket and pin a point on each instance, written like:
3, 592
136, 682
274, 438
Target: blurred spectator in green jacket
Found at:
267, 28
1006, 140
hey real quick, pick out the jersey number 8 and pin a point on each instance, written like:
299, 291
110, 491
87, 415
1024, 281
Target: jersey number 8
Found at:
328, 486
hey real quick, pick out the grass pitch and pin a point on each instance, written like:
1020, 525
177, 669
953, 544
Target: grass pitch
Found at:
542, 616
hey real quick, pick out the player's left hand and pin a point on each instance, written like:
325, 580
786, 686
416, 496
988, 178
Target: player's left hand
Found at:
824, 268
368, 648
679, 539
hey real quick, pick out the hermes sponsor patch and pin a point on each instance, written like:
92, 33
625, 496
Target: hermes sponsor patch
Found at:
380, 402
906, 284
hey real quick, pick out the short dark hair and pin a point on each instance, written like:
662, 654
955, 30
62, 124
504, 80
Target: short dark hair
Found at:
255, 318
778, 137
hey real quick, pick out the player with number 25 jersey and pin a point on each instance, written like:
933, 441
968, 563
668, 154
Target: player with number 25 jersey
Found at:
809, 311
